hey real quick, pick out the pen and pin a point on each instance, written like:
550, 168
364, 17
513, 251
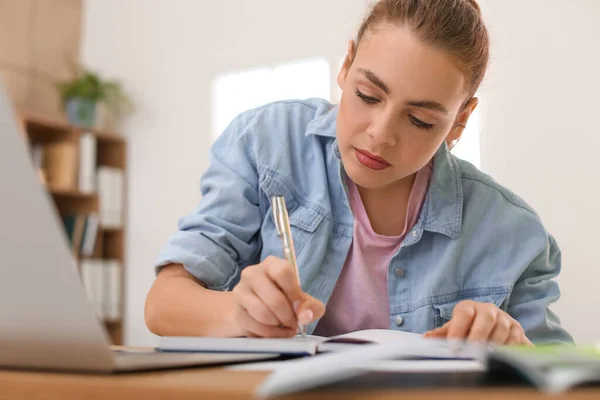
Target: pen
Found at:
282, 223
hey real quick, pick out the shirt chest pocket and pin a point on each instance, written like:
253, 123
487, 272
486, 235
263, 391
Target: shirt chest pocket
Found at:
443, 306
304, 220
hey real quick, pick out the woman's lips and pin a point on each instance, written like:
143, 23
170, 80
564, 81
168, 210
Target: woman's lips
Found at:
371, 160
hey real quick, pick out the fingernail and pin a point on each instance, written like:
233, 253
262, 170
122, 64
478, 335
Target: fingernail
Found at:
296, 304
305, 317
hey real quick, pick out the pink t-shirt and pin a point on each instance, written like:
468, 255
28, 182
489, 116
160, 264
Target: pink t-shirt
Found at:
360, 297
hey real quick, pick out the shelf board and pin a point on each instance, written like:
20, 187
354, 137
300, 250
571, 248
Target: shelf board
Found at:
112, 322
61, 127
40, 121
72, 193
104, 137
111, 229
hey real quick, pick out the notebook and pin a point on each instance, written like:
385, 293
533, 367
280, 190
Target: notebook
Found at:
310, 345
551, 368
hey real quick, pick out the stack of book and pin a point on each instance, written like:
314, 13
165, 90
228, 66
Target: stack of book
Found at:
102, 280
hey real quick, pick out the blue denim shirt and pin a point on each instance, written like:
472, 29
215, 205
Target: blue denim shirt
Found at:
474, 239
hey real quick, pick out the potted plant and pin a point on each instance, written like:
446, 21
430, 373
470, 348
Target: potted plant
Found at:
82, 96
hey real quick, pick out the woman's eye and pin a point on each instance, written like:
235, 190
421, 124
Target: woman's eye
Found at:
365, 98
420, 124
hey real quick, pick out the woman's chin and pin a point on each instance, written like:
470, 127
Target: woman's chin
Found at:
366, 178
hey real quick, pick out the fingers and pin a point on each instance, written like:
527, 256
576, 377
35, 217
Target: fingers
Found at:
253, 328
282, 273
266, 293
262, 296
462, 318
502, 329
259, 309
278, 307
484, 323
517, 335
440, 332
309, 310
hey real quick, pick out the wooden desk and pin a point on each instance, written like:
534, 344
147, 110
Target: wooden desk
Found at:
208, 383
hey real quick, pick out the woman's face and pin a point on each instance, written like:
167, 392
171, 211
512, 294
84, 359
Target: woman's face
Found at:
401, 99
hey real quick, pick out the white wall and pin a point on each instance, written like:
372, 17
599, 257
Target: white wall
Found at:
537, 115
540, 133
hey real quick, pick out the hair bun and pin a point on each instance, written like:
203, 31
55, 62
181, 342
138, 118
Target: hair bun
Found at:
475, 5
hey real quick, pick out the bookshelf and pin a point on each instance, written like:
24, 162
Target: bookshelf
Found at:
104, 242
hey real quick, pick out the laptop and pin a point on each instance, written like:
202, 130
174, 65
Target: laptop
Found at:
46, 320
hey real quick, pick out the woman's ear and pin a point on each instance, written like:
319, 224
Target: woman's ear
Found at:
461, 122
341, 78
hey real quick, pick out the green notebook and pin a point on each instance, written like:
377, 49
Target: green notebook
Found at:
551, 368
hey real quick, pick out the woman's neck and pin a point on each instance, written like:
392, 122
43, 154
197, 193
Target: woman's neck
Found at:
386, 207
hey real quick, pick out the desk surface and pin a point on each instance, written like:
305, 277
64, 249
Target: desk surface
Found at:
203, 383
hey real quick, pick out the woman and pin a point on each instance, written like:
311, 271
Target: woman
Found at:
391, 231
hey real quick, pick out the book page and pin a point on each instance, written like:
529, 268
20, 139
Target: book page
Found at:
367, 336
379, 336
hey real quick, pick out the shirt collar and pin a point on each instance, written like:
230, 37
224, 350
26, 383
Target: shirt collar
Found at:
324, 123
444, 200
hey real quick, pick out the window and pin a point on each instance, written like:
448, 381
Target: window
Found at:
237, 92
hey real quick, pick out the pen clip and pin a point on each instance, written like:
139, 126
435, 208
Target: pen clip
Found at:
276, 205
283, 229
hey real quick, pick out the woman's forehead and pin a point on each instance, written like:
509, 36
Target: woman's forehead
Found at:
409, 66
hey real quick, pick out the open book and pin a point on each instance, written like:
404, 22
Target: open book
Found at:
308, 345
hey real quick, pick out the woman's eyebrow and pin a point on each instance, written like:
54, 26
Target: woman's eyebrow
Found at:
428, 104
370, 75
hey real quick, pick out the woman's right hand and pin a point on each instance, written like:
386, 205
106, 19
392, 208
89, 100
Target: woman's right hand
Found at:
270, 302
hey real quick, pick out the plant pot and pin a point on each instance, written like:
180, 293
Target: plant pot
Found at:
81, 111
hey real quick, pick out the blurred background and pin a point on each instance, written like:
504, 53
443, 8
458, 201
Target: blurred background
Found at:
121, 100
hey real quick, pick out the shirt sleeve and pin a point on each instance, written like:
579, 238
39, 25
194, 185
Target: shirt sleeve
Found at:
534, 292
221, 235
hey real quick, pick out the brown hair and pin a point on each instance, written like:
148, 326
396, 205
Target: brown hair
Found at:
455, 26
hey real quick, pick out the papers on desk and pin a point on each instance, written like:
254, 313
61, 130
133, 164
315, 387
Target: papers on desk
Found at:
312, 372
421, 366
400, 366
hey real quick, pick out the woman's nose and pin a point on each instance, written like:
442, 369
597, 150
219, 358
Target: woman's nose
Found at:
382, 131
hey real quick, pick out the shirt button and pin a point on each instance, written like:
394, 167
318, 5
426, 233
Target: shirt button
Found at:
414, 234
399, 272
398, 320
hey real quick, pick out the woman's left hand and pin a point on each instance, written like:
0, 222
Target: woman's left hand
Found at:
481, 322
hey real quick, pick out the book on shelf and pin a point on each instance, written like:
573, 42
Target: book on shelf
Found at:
87, 163
102, 281
60, 162
68, 164
110, 192
82, 232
